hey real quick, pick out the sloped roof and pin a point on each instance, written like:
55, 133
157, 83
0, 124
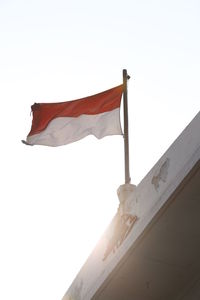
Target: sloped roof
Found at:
158, 256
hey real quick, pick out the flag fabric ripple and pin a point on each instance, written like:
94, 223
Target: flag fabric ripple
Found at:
56, 124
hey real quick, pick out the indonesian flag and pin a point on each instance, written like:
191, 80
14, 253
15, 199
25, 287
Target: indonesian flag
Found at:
56, 124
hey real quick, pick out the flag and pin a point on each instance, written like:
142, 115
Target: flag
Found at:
56, 124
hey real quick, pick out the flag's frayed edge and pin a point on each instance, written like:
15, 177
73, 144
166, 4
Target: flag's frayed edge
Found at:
26, 143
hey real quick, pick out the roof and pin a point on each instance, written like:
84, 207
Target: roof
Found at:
154, 254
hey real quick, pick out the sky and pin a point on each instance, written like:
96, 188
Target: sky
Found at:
55, 203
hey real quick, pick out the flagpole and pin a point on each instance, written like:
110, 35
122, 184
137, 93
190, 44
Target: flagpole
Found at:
126, 137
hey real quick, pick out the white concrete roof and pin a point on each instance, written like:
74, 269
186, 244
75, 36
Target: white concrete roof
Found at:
158, 257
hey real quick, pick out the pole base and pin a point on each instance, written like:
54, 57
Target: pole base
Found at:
124, 191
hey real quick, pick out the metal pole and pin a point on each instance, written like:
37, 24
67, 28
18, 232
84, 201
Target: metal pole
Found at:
126, 137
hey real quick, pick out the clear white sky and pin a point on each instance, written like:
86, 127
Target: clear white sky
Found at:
56, 202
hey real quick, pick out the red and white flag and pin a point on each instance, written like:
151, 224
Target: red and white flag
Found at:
56, 124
